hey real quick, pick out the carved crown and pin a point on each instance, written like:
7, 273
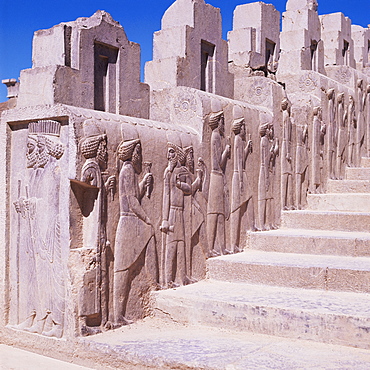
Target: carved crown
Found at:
44, 127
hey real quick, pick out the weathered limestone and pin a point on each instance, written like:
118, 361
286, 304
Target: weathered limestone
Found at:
336, 34
112, 189
301, 43
255, 39
361, 38
88, 63
300, 278
189, 50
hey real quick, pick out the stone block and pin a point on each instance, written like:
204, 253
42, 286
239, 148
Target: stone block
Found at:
306, 241
341, 221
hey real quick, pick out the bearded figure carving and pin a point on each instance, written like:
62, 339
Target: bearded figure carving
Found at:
41, 296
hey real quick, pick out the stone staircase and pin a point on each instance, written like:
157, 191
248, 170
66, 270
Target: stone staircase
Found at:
308, 280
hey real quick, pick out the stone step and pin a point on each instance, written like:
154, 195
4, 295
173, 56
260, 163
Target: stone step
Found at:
165, 344
348, 186
305, 241
337, 273
359, 202
357, 173
365, 162
330, 220
323, 316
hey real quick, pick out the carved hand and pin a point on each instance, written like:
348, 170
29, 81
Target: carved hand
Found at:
228, 149
111, 183
164, 227
148, 179
250, 146
178, 182
201, 163
199, 173
18, 204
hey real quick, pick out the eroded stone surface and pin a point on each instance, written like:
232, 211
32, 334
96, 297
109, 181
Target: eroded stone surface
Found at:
112, 188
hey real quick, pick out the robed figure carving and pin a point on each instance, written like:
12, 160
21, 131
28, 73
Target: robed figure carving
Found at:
342, 136
241, 193
93, 299
352, 132
319, 131
218, 207
269, 150
135, 232
287, 158
41, 272
332, 134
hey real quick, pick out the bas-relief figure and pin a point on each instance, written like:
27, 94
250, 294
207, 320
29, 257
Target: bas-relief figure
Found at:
177, 184
318, 134
302, 163
195, 212
40, 270
332, 134
177, 247
93, 302
240, 192
218, 208
286, 158
135, 232
360, 133
342, 136
269, 150
352, 132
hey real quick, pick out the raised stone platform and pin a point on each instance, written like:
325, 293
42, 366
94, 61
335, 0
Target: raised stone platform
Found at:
164, 344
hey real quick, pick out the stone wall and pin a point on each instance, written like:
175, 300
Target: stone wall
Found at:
112, 188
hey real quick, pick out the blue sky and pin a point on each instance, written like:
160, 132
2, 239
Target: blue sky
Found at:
140, 18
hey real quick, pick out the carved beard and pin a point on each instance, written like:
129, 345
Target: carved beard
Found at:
102, 157
43, 159
221, 130
137, 163
31, 158
172, 163
190, 164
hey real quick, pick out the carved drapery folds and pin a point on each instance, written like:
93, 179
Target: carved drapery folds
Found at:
40, 288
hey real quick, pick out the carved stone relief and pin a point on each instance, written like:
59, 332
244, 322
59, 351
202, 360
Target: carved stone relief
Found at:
342, 118
95, 186
319, 131
195, 213
39, 255
240, 192
332, 133
301, 165
343, 74
135, 230
287, 158
259, 91
352, 132
308, 82
218, 202
269, 150
361, 106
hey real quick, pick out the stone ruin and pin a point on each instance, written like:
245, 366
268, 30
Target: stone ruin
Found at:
123, 188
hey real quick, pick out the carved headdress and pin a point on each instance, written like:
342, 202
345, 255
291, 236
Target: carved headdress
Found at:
44, 127
214, 119
126, 148
237, 125
181, 155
